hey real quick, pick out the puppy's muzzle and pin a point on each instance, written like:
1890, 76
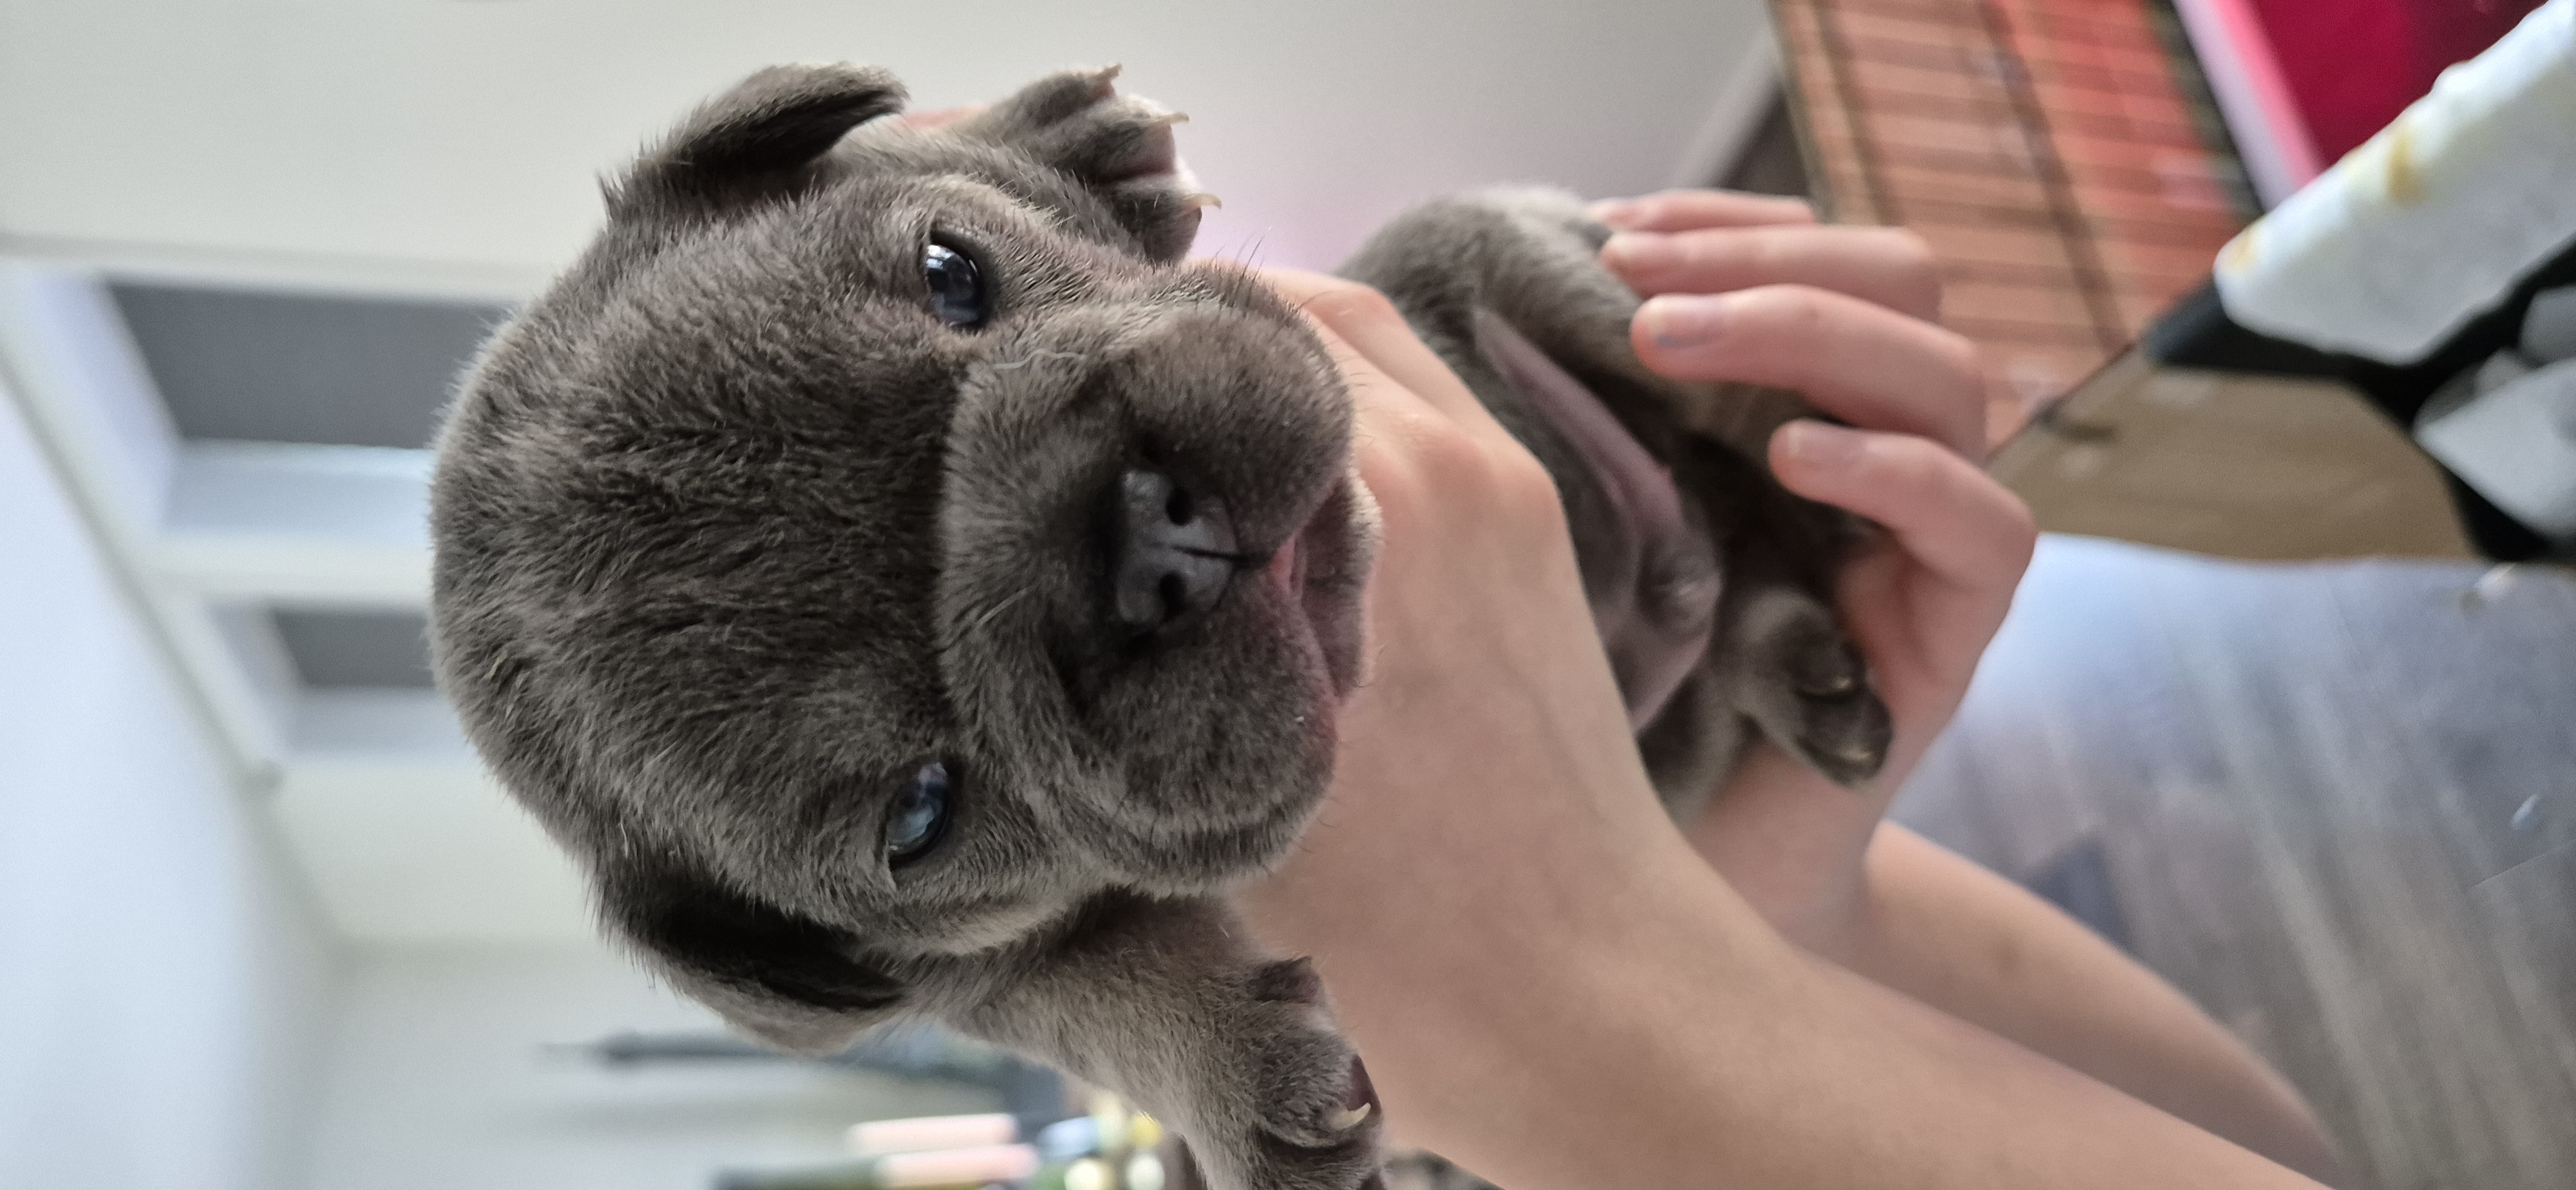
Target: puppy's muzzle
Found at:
1172, 554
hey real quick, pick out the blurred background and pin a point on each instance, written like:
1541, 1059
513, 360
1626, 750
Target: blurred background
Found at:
264, 923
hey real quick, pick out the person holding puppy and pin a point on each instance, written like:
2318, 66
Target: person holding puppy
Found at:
1555, 986
1551, 982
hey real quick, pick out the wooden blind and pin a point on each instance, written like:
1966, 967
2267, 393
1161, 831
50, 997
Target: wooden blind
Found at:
2061, 156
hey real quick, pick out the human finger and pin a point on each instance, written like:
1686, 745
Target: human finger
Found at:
1951, 519
1365, 321
1684, 210
1856, 360
1887, 265
1390, 420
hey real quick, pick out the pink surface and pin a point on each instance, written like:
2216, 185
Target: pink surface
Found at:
2352, 65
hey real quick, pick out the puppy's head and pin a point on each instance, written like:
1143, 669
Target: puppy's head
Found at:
878, 544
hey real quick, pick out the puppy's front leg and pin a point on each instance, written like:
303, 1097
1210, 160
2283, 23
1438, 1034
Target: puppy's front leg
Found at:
1167, 1003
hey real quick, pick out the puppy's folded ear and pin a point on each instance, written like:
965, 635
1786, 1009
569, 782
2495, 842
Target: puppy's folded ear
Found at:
789, 980
757, 139
1656, 629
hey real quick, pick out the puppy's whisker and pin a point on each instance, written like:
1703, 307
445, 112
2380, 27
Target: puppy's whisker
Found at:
1038, 356
1248, 253
984, 618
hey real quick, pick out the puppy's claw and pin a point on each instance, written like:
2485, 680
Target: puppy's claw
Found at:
1198, 199
1119, 146
1351, 1117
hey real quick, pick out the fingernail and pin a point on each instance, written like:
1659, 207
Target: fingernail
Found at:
1682, 320
1819, 444
1638, 250
1617, 212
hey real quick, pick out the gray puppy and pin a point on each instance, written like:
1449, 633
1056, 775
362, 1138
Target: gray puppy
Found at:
908, 588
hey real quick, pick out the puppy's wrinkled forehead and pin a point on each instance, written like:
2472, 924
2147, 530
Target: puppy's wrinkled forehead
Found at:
777, 395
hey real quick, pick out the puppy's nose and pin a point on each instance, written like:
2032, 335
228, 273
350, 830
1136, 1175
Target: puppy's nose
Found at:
1172, 556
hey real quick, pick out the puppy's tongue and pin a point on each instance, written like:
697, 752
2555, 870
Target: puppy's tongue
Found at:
1282, 570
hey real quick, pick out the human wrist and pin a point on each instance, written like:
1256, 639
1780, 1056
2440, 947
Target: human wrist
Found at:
1513, 1038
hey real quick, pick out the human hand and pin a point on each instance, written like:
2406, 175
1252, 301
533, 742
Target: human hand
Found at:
1485, 669
1488, 800
1549, 985
1751, 289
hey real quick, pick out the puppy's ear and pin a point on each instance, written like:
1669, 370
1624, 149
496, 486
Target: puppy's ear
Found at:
756, 140
1657, 629
789, 980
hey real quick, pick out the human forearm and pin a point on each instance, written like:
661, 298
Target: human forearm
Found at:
1963, 940
1937, 928
1732, 1058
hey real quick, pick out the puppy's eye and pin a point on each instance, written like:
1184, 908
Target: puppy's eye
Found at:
918, 816
956, 286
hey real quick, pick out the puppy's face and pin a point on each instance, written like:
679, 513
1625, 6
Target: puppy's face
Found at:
867, 553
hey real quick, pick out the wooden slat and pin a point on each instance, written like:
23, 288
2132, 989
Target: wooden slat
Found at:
2045, 143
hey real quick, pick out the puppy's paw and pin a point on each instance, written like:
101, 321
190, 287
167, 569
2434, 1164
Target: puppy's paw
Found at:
1803, 681
1118, 146
1287, 1106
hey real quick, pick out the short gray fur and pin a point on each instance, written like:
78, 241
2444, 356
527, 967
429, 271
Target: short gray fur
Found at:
739, 526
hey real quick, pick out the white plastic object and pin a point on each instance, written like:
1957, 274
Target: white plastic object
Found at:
2432, 221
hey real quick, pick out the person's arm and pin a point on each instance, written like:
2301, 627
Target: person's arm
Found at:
1661, 1035
1960, 938
1847, 315
1941, 930
1548, 984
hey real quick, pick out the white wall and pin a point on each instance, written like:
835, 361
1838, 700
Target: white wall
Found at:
173, 1016
465, 133
438, 1081
162, 988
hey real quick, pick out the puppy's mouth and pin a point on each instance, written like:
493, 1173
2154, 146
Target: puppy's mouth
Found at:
1283, 571
1303, 598
1318, 576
